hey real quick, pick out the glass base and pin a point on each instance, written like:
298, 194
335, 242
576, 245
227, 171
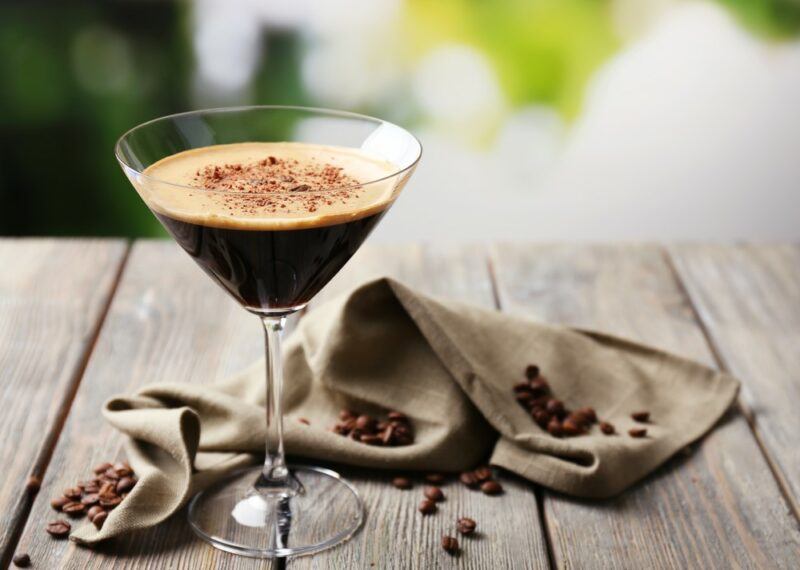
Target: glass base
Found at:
318, 511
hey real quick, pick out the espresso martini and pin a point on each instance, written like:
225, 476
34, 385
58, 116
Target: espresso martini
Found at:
270, 222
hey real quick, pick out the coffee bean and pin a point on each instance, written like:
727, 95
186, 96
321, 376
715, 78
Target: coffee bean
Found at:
589, 413
641, 417
483, 473
58, 528
579, 418
33, 484
570, 428
434, 494
522, 387
124, 485
74, 509
540, 386
435, 478
450, 544
554, 428
90, 499
638, 432
396, 416
532, 372
73, 492
107, 489
523, 397
59, 502
93, 512
123, 470
542, 418
607, 428
555, 407
427, 507
22, 560
109, 502
92, 487
99, 519
101, 468
402, 482
466, 525
111, 474
491, 488
370, 439
366, 423
469, 479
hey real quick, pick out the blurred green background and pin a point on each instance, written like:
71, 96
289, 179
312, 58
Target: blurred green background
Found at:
75, 75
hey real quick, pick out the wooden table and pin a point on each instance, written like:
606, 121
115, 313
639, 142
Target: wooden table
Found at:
82, 320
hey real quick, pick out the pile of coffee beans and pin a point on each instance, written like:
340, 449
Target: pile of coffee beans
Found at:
395, 430
550, 413
94, 498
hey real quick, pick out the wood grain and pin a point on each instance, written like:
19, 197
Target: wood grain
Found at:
168, 321
719, 507
748, 298
53, 294
395, 534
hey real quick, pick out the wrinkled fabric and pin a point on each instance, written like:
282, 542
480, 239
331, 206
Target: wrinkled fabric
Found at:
451, 368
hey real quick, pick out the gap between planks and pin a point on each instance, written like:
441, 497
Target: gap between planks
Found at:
23, 508
741, 406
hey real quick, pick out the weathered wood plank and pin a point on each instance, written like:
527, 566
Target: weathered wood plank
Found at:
168, 321
748, 298
395, 534
53, 294
720, 507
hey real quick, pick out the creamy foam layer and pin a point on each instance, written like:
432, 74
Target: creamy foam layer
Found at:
268, 185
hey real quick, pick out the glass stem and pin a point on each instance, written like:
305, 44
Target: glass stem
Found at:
275, 472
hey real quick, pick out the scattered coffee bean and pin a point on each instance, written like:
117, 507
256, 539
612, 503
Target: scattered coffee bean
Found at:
33, 484
58, 502
570, 428
58, 528
466, 525
491, 488
74, 509
532, 372
434, 494
93, 511
641, 417
101, 468
469, 479
110, 501
402, 482
638, 432
124, 485
427, 507
22, 560
554, 428
483, 473
450, 544
435, 478
395, 431
99, 519
607, 428
304, 421
590, 414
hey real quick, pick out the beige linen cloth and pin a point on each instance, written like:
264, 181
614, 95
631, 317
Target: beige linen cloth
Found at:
450, 367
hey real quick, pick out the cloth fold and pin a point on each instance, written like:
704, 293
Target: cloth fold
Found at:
450, 367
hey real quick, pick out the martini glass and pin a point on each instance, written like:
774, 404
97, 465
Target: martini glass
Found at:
273, 510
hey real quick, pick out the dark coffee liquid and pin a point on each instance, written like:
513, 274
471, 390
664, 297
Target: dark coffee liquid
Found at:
271, 269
